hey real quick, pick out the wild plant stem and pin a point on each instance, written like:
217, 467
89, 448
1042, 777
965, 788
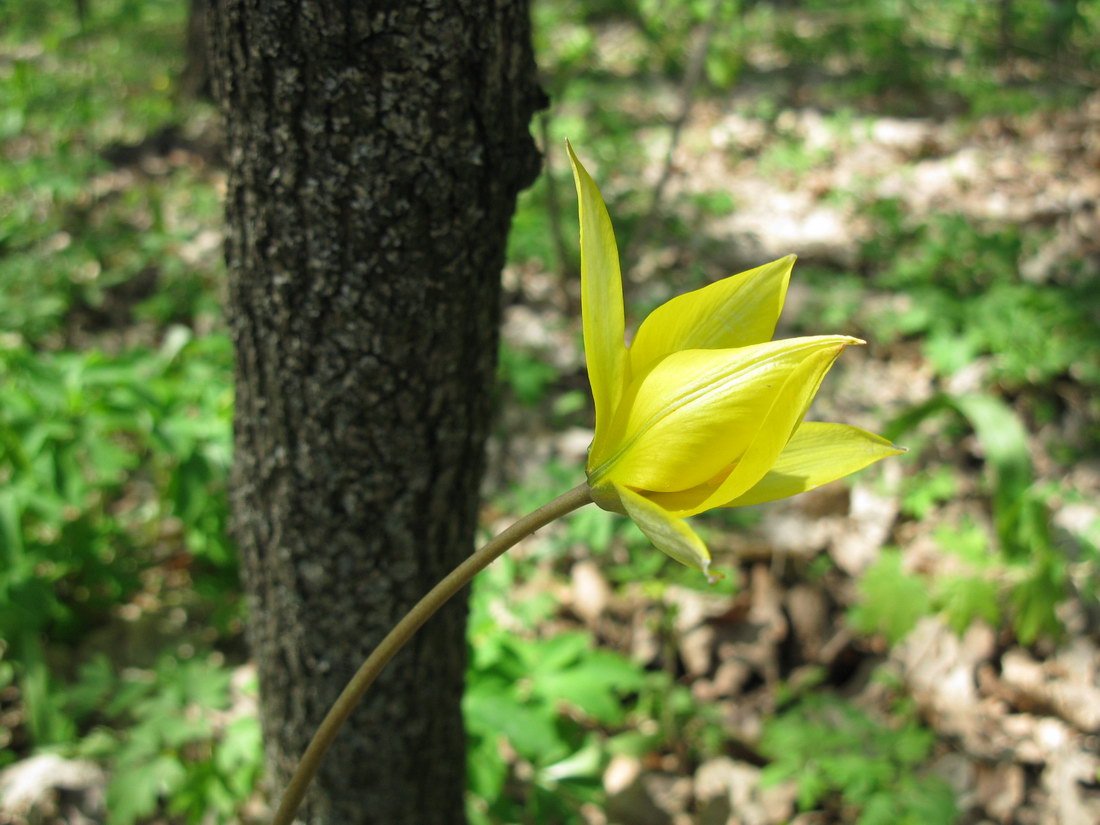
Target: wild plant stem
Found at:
404, 630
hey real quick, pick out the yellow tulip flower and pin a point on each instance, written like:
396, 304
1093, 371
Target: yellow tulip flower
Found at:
703, 409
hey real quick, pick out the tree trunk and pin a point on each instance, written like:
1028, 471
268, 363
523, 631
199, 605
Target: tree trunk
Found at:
375, 152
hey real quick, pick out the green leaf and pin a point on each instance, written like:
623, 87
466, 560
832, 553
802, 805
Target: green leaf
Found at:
892, 600
492, 712
557, 652
593, 685
586, 762
486, 770
1034, 601
135, 793
238, 757
1005, 444
966, 598
911, 744
832, 748
94, 683
924, 491
969, 541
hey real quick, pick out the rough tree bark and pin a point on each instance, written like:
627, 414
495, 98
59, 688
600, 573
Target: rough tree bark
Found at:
375, 152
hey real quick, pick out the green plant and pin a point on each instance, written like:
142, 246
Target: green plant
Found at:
891, 600
168, 746
977, 592
877, 771
965, 297
96, 452
545, 714
113, 458
1026, 560
548, 699
924, 490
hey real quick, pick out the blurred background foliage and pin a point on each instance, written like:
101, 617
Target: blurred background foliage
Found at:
120, 610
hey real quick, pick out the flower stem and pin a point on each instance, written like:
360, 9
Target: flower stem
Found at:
404, 630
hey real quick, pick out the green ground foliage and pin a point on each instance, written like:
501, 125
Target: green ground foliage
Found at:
875, 772
120, 610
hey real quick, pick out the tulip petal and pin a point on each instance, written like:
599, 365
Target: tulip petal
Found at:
601, 297
735, 312
817, 454
669, 534
769, 437
697, 412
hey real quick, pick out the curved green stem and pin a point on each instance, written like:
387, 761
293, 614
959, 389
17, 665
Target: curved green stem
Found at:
404, 630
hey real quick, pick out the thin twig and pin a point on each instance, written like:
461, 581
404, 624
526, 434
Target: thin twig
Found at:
694, 73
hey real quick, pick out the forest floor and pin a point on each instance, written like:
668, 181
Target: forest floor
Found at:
1017, 727
920, 640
